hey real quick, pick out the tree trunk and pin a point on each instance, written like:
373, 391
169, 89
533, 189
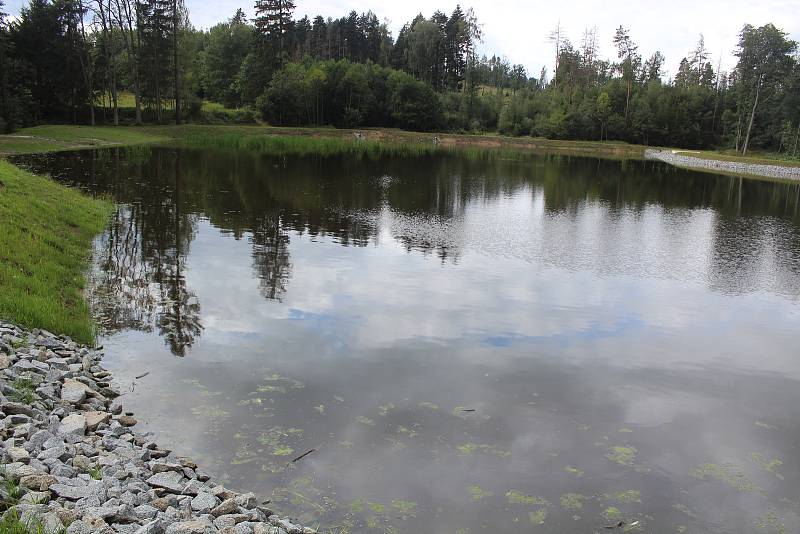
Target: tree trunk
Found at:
796, 138
752, 117
175, 60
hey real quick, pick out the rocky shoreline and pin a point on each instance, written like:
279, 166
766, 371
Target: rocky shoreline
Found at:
672, 157
74, 464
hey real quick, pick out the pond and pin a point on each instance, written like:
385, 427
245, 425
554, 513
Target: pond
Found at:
466, 344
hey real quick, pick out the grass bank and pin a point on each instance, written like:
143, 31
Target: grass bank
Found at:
46, 231
64, 137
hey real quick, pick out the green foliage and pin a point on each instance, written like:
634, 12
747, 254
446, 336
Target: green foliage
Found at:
23, 391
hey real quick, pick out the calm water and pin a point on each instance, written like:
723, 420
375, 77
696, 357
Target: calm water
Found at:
551, 345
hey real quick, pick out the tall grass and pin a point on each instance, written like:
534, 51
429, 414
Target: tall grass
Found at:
310, 146
46, 231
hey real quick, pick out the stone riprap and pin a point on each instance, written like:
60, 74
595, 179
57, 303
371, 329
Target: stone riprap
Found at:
680, 159
80, 466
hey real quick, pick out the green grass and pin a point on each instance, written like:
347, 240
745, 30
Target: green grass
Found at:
306, 146
45, 241
55, 138
23, 391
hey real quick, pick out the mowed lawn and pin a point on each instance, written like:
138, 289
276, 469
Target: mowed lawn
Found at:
46, 231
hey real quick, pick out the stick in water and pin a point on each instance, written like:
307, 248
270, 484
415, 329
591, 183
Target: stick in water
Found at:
142, 376
303, 455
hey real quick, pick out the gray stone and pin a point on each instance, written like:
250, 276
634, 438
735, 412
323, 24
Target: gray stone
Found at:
153, 527
95, 419
18, 454
72, 493
204, 503
170, 481
16, 408
73, 424
197, 526
73, 392
227, 506
38, 481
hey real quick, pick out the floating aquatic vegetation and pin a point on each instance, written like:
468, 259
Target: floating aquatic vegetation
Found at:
517, 497
406, 508
584, 427
612, 513
771, 522
622, 454
467, 448
685, 509
495, 450
250, 402
625, 430
765, 425
572, 501
276, 437
628, 496
320, 409
574, 471
271, 388
727, 473
346, 444
356, 506
338, 399
384, 409
377, 508
429, 405
210, 412
681, 529
478, 493
396, 443
538, 517
767, 465
407, 431
365, 420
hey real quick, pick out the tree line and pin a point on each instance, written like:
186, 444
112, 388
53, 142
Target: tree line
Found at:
81, 61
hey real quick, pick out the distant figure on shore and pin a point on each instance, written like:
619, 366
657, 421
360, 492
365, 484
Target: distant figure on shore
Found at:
359, 136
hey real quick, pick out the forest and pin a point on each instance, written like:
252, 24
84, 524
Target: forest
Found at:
142, 61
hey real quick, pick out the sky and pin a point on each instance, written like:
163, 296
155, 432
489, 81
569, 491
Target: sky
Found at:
519, 29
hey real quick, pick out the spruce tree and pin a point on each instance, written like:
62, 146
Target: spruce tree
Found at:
273, 18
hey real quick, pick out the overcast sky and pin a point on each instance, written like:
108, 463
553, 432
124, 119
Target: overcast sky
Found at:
518, 29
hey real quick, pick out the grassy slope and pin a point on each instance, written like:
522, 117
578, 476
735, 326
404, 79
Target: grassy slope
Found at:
45, 241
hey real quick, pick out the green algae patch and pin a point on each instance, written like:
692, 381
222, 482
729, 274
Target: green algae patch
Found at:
467, 448
771, 466
478, 493
623, 455
276, 439
628, 496
517, 497
727, 473
612, 513
538, 517
572, 501
46, 232
574, 471
428, 405
365, 420
406, 508
384, 409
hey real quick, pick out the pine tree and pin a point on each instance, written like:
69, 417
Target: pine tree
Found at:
273, 18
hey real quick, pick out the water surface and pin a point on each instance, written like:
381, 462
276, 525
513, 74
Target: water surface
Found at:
468, 345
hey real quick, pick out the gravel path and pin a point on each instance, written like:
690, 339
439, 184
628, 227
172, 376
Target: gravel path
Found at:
755, 169
82, 468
